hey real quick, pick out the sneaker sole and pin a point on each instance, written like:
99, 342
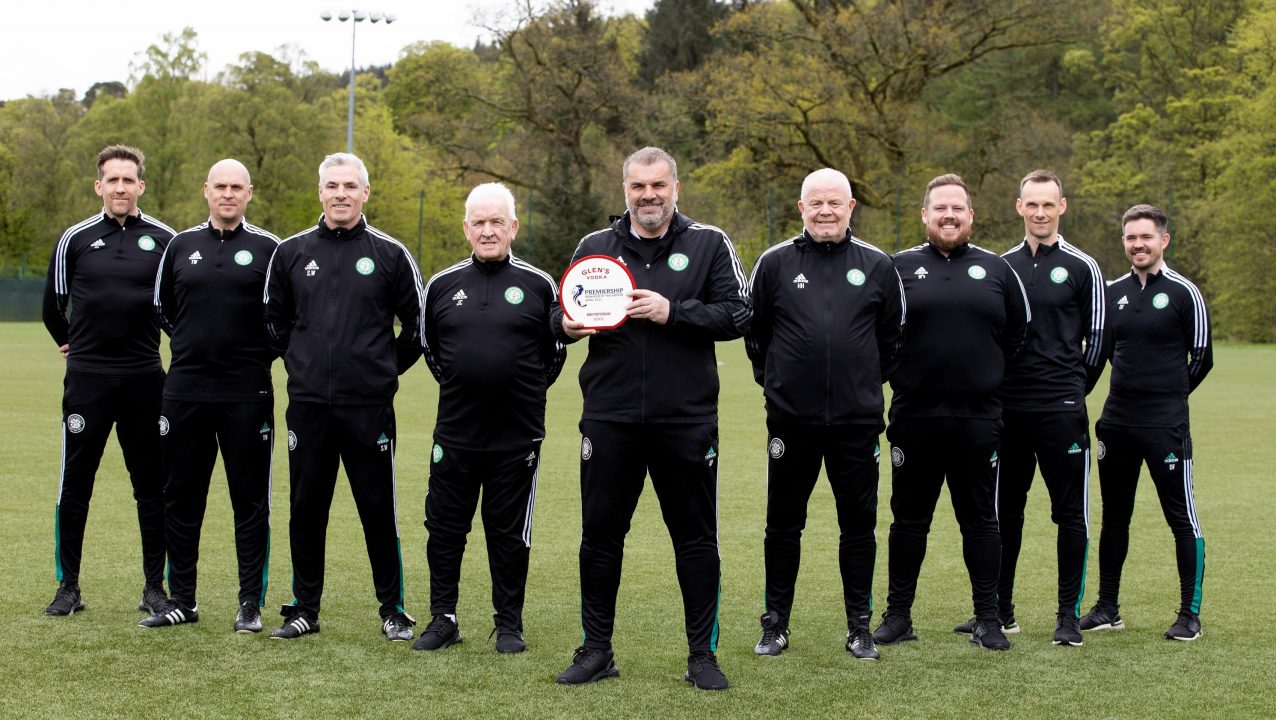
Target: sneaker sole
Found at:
446, 644
687, 677
910, 637
1105, 626
247, 631
610, 672
1183, 639
985, 647
1067, 643
67, 614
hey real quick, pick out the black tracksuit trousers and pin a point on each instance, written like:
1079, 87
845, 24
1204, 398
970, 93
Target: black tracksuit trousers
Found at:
507, 480
683, 462
91, 404
1060, 444
850, 456
361, 437
192, 434
924, 452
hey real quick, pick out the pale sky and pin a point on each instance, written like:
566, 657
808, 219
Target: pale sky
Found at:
75, 43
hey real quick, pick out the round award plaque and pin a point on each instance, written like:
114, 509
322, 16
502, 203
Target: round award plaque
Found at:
595, 291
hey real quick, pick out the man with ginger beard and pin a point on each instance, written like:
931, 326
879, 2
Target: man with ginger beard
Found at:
967, 315
218, 393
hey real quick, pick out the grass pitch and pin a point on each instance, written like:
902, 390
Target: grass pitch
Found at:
100, 665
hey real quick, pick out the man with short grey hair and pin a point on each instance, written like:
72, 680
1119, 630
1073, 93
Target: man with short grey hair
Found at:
332, 295
488, 342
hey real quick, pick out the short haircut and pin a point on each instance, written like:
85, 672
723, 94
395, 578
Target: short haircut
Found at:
341, 158
1147, 212
1041, 176
946, 179
492, 190
826, 174
121, 152
649, 156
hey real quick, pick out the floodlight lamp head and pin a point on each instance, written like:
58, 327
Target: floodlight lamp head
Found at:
360, 16
326, 15
390, 18
375, 17
344, 15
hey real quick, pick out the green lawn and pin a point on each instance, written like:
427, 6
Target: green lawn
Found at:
99, 664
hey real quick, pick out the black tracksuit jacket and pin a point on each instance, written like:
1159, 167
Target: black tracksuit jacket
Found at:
488, 342
967, 316
643, 372
208, 299
828, 321
1161, 349
1062, 358
331, 299
104, 273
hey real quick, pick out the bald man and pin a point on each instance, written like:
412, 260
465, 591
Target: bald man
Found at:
828, 320
218, 392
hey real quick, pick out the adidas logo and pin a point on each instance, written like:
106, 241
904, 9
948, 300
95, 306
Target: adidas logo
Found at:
383, 442
800, 281
312, 268
459, 297
1171, 458
531, 458
195, 257
710, 456
621, 260
1123, 302
98, 244
920, 273
1075, 449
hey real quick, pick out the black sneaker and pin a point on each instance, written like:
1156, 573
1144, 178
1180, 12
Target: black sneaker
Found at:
398, 627
248, 619
508, 640
589, 665
153, 598
859, 642
66, 601
703, 671
440, 633
1187, 627
173, 613
1008, 626
988, 635
298, 622
1067, 630
775, 639
894, 629
1101, 618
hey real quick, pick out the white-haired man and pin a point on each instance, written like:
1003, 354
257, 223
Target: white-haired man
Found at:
828, 321
487, 339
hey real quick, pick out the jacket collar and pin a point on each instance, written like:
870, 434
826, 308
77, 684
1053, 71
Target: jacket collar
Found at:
342, 233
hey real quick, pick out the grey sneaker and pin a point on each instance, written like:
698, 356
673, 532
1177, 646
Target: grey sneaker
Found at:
442, 632
398, 627
153, 598
66, 601
248, 619
1101, 618
988, 635
775, 638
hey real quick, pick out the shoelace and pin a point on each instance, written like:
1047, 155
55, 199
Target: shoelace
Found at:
769, 635
585, 655
860, 637
437, 625
705, 661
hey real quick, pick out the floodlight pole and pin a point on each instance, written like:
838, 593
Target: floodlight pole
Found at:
356, 17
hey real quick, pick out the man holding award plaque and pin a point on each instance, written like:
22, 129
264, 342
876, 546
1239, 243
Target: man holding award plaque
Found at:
653, 291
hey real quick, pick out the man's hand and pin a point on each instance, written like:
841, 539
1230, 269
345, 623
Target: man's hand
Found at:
65, 350
649, 305
576, 329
